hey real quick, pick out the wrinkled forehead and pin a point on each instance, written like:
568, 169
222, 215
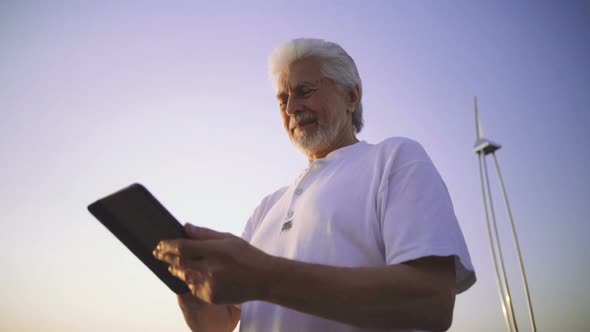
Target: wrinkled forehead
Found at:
304, 71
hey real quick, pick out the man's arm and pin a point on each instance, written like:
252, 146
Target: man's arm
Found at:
417, 294
224, 269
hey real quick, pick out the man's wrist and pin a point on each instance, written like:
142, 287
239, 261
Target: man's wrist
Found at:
274, 273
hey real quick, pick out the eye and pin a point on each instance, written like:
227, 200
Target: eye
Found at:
282, 102
304, 92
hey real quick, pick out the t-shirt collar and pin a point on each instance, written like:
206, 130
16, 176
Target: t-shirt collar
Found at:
343, 151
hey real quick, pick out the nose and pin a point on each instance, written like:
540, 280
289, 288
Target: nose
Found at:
293, 107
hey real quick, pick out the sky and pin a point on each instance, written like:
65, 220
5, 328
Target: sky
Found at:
175, 95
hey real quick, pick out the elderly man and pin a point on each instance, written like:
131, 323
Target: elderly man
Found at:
364, 239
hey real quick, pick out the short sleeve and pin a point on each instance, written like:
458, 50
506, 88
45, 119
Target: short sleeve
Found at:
248, 229
418, 219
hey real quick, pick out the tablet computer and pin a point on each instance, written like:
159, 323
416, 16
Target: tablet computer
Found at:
138, 220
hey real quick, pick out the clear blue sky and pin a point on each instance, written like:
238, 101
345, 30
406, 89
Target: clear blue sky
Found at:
97, 95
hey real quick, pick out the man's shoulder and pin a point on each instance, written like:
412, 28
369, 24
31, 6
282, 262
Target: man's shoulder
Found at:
396, 142
401, 150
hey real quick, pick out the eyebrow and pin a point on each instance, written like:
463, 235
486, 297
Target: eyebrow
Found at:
300, 85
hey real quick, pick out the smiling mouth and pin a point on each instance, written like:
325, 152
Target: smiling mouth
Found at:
304, 124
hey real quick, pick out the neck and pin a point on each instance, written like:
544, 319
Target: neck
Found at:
341, 141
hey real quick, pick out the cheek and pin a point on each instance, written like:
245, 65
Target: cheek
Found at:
333, 109
285, 120
326, 111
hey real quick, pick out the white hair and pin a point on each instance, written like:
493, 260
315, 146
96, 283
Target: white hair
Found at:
337, 65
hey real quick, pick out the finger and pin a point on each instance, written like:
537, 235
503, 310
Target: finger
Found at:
189, 277
189, 249
180, 273
202, 290
187, 301
177, 272
189, 264
176, 247
167, 258
202, 233
183, 263
181, 268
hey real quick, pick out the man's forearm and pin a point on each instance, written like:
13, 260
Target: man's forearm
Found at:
396, 296
223, 269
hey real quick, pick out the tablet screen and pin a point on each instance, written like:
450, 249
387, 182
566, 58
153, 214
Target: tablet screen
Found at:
138, 220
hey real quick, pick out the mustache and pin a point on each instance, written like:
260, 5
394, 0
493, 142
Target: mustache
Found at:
301, 118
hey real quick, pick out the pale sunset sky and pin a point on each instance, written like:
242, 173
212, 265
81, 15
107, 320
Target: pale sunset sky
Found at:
96, 95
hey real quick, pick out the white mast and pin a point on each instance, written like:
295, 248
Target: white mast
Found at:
482, 148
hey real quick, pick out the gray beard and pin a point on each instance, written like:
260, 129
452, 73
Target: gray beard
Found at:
311, 143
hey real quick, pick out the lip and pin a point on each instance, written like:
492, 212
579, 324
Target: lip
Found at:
304, 125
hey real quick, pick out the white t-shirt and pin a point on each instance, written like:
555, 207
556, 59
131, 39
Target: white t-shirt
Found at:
362, 205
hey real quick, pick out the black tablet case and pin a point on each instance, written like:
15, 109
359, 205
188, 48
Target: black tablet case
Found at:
138, 220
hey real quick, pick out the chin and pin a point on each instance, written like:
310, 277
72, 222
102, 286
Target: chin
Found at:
313, 143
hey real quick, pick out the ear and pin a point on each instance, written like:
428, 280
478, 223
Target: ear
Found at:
353, 99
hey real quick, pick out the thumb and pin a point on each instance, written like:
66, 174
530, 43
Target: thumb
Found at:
202, 233
187, 301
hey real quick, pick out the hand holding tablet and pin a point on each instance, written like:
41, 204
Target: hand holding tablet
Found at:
215, 267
